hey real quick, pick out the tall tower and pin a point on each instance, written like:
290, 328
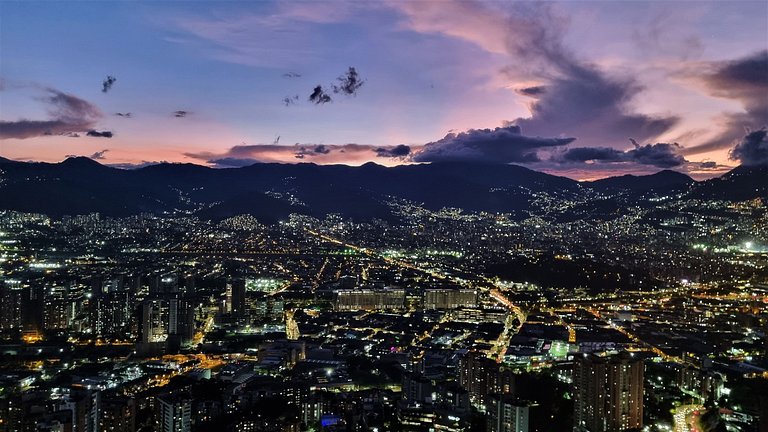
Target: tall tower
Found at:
481, 376
173, 413
238, 298
608, 393
506, 414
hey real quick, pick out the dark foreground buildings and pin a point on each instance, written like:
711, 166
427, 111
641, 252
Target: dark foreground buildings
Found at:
608, 393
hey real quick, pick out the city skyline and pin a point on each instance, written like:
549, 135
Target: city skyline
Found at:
384, 216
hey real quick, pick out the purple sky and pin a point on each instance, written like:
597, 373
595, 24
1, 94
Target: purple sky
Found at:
580, 88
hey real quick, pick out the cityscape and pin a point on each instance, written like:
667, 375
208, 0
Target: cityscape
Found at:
538, 276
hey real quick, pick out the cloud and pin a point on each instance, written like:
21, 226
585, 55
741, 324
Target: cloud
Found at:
532, 91
69, 114
291, 75
290, 100
97, 134
229, 162
107, 84
398, 151
503, 145
303, 150
349, 83
744, 80
99, 155
753, 149
137, 165
584, 102
665, 33
661, 155
180, 113
572, 97
319, 96
248, 154
322, 149
126, 115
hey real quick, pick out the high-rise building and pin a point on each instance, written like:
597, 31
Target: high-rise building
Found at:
481, 376
118, 414
155, 321
58, 309
112, 313
173, 412
608, 393
238, 298
11, 301
506, 414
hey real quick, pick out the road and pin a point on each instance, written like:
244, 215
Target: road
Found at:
687, 418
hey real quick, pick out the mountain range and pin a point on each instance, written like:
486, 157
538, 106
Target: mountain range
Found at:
271, 192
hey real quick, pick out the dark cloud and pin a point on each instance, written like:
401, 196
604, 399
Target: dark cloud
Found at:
322, 149
502, 145
585, 154
69, 114
304, 150
290, 100
575, 98
753, 149
745, 80
531, 91
661, 155
291, 75
319, 96
71, 134
583, 102
398, 151
126, 115
180, 113
349, 83
708, 164
107, 84
97, 134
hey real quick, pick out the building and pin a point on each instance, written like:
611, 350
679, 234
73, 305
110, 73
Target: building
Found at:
704, 384
370, 299
481, 376
11, 303
173, 413
608, 393
506, 414
449, 298
118, 414
238, 308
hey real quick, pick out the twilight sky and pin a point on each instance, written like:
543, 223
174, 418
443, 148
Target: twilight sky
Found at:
579, 88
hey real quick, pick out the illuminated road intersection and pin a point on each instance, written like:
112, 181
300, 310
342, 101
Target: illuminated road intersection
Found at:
687, 418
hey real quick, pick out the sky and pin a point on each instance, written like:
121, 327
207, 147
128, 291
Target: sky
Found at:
584, 89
